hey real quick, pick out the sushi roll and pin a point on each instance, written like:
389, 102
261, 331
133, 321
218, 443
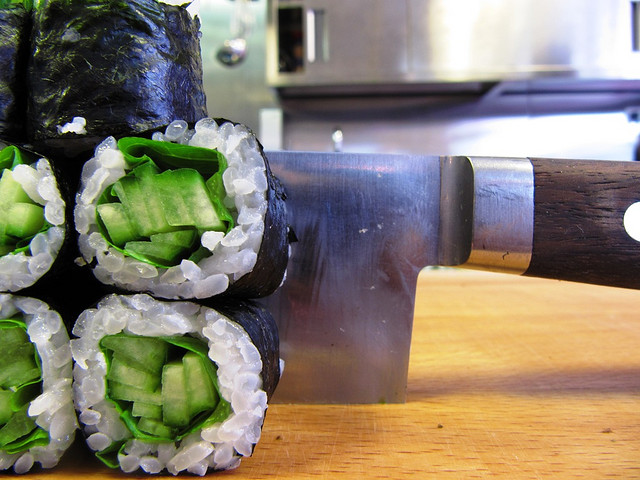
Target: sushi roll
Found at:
173, 386
37, 416
106, 67
15, 31
32, 218
186, 214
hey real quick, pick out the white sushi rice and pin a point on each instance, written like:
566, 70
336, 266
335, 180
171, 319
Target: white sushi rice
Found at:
53, 409
217, 447
76, 125
21, 270
232, 255
192, 6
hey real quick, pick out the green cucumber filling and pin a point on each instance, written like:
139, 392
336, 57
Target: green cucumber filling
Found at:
20, 383
20, 217
158, 211
163, 387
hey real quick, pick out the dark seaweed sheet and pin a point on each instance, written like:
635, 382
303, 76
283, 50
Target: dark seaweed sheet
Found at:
125, 66
15, 29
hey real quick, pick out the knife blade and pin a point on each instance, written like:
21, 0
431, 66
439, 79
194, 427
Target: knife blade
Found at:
367, 224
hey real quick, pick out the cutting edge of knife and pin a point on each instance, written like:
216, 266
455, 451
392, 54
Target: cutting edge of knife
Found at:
486, 213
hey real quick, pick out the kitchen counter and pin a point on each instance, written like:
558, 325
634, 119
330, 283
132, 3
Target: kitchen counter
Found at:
509, 377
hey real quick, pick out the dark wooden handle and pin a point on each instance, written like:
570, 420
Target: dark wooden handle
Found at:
579, 234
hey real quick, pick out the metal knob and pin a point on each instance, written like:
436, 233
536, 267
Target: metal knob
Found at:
337, 138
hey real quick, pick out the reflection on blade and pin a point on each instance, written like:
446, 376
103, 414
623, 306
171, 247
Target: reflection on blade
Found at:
366, 225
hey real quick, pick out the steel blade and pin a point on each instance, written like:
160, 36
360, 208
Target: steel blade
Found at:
366, 225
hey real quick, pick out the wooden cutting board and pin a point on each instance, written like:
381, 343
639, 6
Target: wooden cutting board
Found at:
510, 377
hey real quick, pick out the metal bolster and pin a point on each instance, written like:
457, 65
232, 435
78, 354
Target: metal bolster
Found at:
486, 213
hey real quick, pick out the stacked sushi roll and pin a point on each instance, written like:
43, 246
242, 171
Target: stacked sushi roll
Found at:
187, 214
173, 385
172, 208
15, 31
37, 417
32, 218
122, 67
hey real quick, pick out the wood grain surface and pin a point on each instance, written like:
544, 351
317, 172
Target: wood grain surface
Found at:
578, 232
510, 378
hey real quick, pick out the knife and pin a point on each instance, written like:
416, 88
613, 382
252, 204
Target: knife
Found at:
367, 224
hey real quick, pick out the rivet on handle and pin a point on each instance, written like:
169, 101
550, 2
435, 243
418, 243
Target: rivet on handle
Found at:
631, 221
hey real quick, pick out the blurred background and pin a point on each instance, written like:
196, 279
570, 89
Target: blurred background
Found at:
470, 77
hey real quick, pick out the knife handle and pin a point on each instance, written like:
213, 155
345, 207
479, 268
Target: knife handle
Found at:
580, 232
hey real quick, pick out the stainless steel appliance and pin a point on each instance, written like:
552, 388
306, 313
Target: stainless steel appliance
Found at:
378, 42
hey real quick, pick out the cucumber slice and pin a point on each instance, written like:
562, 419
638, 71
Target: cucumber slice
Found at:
23, 220
176, 210
140, 200
155, 427
173, 400
120, 371
185, 199
20, 217
165, 254
5, 406
127, 393
147, 410
184, 238
202, 394
164, 249
175, 411
145, 353
154, 203
10, 190
117, 223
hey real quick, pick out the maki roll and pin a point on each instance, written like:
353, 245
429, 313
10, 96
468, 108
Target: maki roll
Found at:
173, 386
15, 31
110, 67
32, 218
37, 417
185, 214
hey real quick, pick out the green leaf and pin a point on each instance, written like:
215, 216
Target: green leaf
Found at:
10, 156
168, 155
109, 456
21, 433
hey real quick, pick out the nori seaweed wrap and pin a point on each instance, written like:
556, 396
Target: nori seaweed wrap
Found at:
173, 385
37, 416
186, 214
15, 32
116, 66
33, 226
